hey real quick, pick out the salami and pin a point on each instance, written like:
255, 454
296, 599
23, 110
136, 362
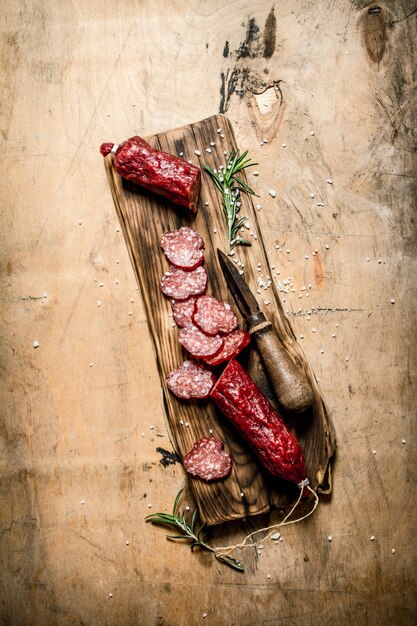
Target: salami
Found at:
243, 403
198, 343
180, 285
208, 460
160, 172
182, 311
190, 380
183, 248
234, 343
213, 316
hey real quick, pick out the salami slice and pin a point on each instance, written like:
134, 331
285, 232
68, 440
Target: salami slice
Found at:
183, 248
198, 343
180, 285
182, 311
208, 459
213, 316
234, 343
190, 380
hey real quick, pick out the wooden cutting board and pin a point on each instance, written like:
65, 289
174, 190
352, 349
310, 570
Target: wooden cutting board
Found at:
144, 217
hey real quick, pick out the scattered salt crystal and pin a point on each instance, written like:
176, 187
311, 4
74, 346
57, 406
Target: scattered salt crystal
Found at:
333, 335
255, 173
82, 501
392, 301
272, 193
149, 506
403, 441
393, 550
330, 538
266, 302
36, 344
127, 542
187, 508
204, 615
241, 494
275, 536
312, 195
269, 576
322, 351
284, 145
98, 303
197, 152
327, 246
306, 256
214, 230
373, 451
346, 359
367, 258
208, 150
219, 130
287, 251
330, 181
314, 330
312, 133
110, 595
372, 537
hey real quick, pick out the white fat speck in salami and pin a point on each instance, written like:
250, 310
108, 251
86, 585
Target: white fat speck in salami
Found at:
234, 343
190, 380
198, 343
180, 285
182, 311
213, 316
208, 460
183, 248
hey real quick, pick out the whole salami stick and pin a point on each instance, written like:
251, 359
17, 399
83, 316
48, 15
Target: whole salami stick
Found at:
243, 403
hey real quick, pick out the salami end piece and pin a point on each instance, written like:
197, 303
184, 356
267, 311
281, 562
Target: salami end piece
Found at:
234, 343
160, 172
180, 285
213, 316
208, 460
198, 343
190, 380
243, 403
183, 248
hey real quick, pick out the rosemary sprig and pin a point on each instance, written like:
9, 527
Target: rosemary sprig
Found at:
231, 186
187, 531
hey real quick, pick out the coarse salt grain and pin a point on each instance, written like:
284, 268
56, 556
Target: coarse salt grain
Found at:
372, 537
197, 152
403, 441
272, 193
98, 303
392, 301
36, 344
330, 538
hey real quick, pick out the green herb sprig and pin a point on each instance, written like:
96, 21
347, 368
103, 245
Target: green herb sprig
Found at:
198, 538
230, 186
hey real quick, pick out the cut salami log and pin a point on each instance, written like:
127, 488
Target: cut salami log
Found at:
198, 343
182, 311
234, 343
190, 380
183, 248
208, 460
180, 285
160, 172
213, 316
243, 403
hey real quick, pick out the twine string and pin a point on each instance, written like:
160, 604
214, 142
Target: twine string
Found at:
227, 550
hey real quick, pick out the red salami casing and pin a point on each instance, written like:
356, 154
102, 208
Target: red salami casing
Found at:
160, 172
243, 403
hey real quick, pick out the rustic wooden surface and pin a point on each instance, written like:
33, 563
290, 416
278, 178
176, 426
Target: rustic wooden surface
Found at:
143, 218
331, 86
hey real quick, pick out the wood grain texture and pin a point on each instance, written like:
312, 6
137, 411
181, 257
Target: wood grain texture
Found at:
82, 419
144, 218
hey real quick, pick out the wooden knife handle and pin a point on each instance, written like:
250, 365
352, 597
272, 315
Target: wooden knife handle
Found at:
290, 385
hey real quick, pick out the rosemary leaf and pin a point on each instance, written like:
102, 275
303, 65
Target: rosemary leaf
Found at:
196, 539
230, 187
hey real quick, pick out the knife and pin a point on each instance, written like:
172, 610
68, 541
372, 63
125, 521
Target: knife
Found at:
290, 385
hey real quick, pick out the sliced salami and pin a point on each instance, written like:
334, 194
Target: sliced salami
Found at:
190, 380
198, 343
234, 343
182, 311
213, 316
183, 248
208, 460
180, 285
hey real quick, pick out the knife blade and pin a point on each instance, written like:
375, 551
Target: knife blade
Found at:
289, 382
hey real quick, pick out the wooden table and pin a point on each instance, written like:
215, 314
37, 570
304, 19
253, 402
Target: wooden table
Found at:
323, 96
